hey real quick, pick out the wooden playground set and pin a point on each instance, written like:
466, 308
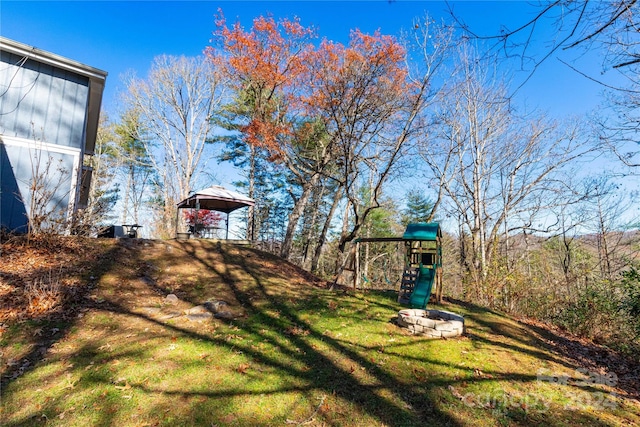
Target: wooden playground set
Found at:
421, 280
422, 274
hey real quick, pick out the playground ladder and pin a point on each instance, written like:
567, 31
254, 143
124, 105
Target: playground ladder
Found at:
406, 285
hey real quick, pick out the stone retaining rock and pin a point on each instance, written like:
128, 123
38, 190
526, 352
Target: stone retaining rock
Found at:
171, 299
198, 309
215, 306
206, 311
199, 317
226, 315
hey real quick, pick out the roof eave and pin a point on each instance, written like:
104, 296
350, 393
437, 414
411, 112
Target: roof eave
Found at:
52, 59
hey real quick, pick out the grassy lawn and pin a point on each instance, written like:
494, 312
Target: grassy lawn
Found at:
287, 351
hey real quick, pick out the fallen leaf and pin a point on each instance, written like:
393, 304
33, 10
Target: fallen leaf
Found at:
455, 392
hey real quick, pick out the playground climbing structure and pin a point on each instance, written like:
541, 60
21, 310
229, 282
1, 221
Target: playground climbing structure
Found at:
423, 267
422, 274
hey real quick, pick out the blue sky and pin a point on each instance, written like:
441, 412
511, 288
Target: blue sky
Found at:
119, 36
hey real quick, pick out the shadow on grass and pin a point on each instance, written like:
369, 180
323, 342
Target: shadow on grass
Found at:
320, 357
44, 331
595, 359
567, 351
339, 381
324, 374
49, 330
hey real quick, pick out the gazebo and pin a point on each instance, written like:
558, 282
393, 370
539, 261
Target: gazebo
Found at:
216, 198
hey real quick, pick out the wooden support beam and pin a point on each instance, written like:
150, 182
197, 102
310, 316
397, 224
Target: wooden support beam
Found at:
356, 267
379, 239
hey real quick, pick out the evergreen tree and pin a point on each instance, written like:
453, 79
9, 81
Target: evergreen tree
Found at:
418, 208
136, 166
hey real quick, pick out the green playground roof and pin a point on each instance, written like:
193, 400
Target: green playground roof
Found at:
422, 231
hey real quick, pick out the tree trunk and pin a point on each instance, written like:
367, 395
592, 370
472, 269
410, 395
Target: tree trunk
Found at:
251, 215
296, 213
127, 191
325, 229
309, 232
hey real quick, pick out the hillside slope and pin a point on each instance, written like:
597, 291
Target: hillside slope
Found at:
134, 332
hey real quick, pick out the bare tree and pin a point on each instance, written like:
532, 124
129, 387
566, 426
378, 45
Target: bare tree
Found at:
609, 215
611, 25
175, 104
308, 158
100, 171
618, 131
322, 236
49, 190
497, 170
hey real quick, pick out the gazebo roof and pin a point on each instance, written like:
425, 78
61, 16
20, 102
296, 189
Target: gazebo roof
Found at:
217, 198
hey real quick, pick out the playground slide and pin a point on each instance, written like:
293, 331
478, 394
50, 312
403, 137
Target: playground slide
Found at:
422, 288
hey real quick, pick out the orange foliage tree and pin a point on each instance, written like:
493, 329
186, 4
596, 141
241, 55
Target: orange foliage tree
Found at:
363, 95
328, 111
265, 65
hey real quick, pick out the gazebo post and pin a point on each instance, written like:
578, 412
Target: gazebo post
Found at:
226, 237
177, 221
196, 233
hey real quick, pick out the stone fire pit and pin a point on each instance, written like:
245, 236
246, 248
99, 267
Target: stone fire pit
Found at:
431, 323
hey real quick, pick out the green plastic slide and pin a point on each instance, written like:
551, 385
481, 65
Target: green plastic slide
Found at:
422, 288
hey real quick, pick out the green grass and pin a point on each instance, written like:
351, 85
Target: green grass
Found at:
295, 354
